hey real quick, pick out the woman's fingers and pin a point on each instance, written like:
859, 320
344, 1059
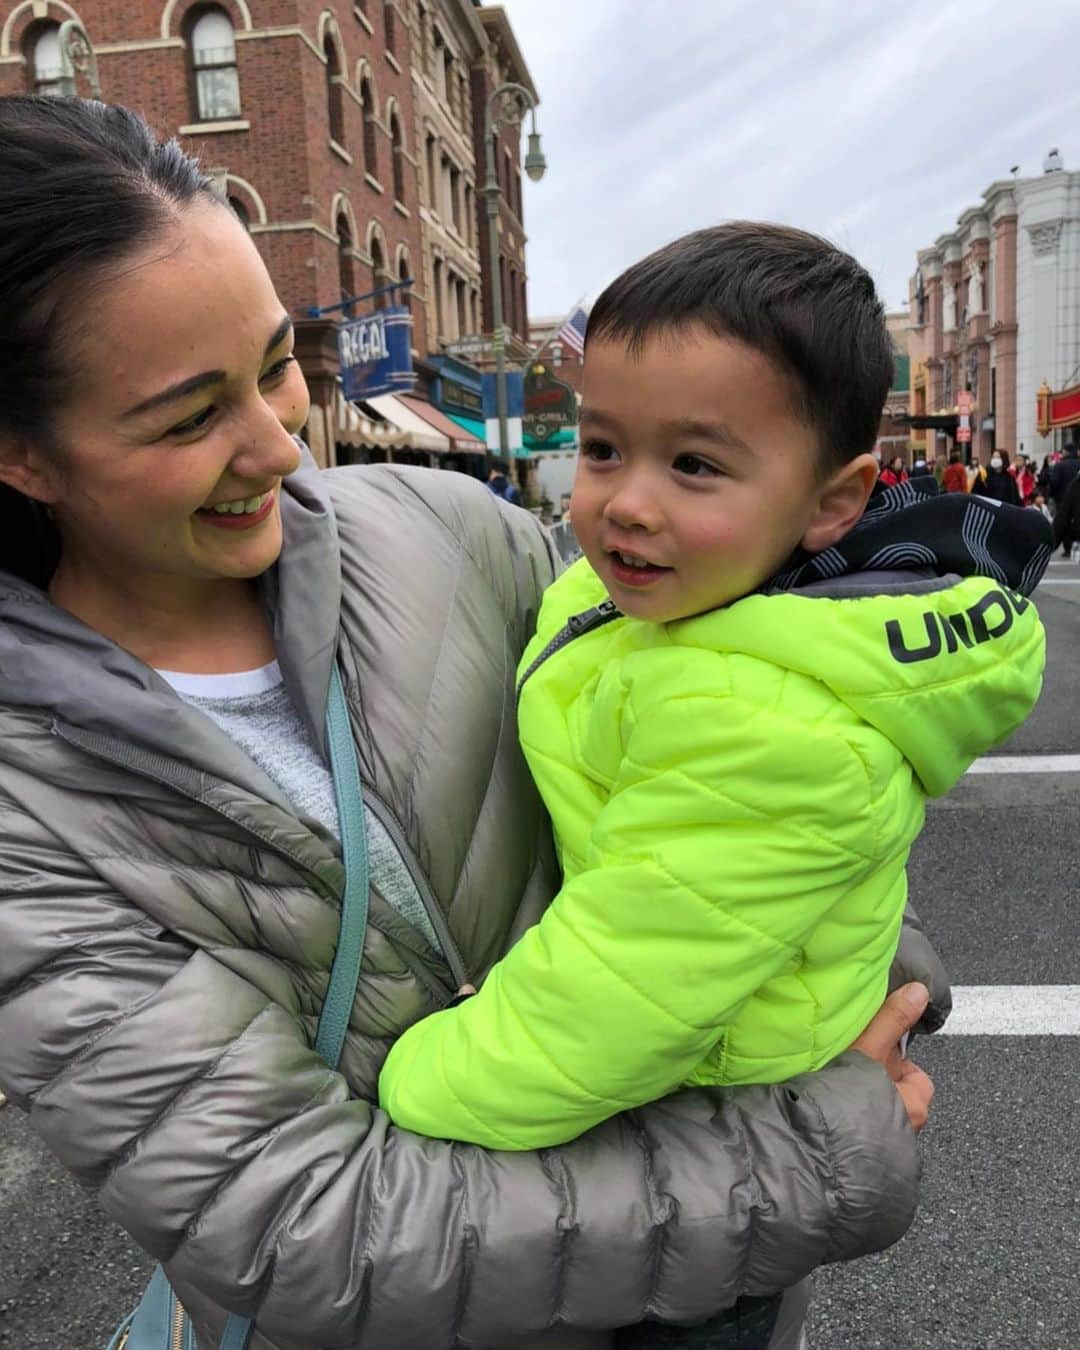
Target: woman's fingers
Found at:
894, 1019
917, 1092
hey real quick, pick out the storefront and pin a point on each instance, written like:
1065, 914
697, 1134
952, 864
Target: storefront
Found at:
1057, 412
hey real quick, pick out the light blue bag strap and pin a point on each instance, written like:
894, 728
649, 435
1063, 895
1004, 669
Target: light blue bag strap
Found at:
345, 973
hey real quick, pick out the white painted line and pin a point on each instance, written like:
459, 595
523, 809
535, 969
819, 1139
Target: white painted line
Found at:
1059, 581
1014, 1010
1027, 764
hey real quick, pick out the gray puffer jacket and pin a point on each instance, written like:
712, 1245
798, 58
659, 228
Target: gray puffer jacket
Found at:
167, 926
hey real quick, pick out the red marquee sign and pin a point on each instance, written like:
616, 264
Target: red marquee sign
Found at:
1056, 410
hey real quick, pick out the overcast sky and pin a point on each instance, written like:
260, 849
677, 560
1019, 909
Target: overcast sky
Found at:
873, 123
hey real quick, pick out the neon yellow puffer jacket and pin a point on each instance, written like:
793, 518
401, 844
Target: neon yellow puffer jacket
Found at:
734, 799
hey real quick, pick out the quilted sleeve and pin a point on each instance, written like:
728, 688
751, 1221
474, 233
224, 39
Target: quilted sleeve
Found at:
730, 829
193, 1105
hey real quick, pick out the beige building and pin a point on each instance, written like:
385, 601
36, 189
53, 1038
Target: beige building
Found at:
448, 41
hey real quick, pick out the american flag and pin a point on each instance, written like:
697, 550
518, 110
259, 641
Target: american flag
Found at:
572, 333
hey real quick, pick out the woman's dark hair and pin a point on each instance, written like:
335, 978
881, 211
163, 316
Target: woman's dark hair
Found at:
82, 186
800, 301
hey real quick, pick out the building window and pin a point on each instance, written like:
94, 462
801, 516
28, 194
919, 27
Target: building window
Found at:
240, 211
398, 153
46, 63
367, 105
470, 222
462, 323
432, 175
213, 62
455, 197
441, 58
437, 287
390, 26
404, 296
346, 275
378, 270
335, 99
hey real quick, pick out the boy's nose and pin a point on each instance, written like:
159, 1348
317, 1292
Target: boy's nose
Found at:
633, 507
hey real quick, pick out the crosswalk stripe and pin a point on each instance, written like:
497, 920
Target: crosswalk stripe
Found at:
1015, 1010
1027, 764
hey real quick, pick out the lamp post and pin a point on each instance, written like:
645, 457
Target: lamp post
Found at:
507, 106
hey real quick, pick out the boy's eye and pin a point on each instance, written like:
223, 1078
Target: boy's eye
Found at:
600, 451
278, 369
695, 467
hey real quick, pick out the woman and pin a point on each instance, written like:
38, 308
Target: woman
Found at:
176, 580
894, 472
1024, 479
995, 481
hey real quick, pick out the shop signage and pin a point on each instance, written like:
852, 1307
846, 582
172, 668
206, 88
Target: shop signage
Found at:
1056, 409
375, 353
550, 404
461, 398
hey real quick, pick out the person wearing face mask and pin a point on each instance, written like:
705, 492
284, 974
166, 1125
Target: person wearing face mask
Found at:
995, 480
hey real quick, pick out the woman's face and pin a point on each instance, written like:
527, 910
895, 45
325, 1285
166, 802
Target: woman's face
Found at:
184, 397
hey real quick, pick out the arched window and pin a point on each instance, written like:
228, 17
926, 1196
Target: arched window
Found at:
437, 287
335, 104
240, 211
367, 104
404, 297
45, 62
213, 65
378, 270
398, 152
346, 275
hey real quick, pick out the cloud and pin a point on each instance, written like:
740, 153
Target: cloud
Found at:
873, 123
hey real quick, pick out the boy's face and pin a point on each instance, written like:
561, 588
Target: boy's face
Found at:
693, 461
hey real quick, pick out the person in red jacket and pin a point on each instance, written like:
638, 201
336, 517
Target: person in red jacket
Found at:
1025, 479
894, 472
955, 477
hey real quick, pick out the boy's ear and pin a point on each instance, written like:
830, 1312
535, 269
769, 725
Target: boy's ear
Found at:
840, 503
24, 469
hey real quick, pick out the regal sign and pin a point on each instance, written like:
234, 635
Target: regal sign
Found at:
375, 353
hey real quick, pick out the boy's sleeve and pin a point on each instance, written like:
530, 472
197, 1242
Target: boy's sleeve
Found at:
730, 830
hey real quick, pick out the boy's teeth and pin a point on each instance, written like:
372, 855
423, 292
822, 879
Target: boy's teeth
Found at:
631, 561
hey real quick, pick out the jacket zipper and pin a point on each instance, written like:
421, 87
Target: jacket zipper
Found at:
147, 765
389, 822
577, 625
179, 1319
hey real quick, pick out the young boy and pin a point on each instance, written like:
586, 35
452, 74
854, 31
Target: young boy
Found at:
736, 704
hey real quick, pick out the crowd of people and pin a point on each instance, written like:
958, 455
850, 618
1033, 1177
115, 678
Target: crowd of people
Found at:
1052, 488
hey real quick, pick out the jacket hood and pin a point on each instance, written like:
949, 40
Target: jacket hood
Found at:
918, 620
53, 664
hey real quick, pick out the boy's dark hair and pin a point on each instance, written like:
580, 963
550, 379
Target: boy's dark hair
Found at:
797, 299
500, 466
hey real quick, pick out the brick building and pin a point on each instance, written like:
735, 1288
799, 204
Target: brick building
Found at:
994, 310
306, 113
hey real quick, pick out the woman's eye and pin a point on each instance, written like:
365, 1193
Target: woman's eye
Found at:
695, 467
278, 369
195, 423
599, 451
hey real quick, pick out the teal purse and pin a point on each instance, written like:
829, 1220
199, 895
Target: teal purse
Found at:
160, 1322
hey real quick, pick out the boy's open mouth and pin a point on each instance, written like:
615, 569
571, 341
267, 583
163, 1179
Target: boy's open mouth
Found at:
631, 570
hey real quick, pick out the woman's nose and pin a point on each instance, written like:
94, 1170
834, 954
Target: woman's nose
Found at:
265, 449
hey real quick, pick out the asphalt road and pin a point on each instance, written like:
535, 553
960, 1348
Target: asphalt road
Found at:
993, 1260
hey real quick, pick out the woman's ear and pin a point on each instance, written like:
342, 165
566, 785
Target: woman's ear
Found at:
24, 468
841, 501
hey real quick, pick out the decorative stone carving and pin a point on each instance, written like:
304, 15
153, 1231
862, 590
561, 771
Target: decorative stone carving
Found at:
1044, 237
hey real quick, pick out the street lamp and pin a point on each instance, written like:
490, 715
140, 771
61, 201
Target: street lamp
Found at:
507, 106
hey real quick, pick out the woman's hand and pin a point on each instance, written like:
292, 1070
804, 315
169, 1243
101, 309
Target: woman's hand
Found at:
881, 1041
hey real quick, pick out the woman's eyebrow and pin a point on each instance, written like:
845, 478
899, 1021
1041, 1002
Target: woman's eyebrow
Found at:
194, 383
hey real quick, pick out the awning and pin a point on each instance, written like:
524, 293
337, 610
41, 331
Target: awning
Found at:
418, 433
354, 427
438, 421
476, 429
